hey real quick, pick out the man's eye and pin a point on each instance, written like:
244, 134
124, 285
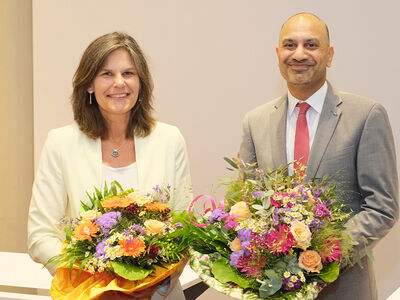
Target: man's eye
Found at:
289, 45
311, 46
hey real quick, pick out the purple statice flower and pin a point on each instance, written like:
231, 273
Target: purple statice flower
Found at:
235, 255
316, 224
230, 223
100, 249
257, 194
138, 229
127, 233
218, 214
107, 221
321, 211
178, 225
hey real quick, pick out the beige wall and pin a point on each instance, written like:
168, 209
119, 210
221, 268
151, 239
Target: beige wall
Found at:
214, 60
16, 122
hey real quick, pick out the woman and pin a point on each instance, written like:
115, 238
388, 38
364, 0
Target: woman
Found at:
114, 137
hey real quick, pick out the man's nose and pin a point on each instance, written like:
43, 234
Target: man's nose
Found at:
300, 53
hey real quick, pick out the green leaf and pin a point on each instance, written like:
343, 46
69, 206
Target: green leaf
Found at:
330, 273
231, 162
257, 207
270, 285
224, 273
130, 272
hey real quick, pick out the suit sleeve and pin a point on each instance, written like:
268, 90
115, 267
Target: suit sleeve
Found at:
48, 203
247, 150
377, 180
183, 186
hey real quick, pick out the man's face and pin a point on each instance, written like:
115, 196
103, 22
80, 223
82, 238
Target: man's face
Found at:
304, 52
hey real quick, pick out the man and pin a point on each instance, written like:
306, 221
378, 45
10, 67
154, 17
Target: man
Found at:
342, 135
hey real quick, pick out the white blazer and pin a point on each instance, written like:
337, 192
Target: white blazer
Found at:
71, 165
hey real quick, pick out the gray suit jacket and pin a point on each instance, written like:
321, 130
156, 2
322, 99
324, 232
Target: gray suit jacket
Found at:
354, 146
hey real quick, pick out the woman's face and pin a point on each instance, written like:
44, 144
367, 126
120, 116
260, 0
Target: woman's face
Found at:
116, 86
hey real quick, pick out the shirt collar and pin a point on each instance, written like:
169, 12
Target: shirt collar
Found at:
316, 101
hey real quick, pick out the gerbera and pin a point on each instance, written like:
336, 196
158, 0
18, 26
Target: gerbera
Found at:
157, 206
117, 202
331, 249
85, 230
132, 247
280, 241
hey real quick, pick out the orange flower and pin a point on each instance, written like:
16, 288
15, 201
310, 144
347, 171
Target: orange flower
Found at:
132, 247
85, 230
156, 206
117, 202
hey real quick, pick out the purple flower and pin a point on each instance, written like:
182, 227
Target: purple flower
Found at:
235, 255
178, 225
107, 221
218, 214
138, 229
100, 249
321, 211
257, 194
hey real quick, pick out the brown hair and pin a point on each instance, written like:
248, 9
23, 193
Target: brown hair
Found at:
88, 116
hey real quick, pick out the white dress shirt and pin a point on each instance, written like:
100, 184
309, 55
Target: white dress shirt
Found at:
316, 101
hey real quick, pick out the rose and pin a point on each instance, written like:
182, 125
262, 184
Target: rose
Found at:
90, 215
301, 234
154, 226
310, 260
241, 210
235, 245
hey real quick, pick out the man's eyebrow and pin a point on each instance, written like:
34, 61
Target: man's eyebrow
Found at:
313, 40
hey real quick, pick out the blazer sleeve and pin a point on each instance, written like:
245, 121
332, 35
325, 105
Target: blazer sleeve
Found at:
247, 150
183, 194
48, 203
377, 180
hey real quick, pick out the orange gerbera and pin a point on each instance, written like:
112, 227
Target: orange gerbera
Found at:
132, 247
117, 202
156, 206
85, 230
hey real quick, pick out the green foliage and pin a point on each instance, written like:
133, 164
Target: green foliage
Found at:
130, 272
330, 272
223, 271
271, 283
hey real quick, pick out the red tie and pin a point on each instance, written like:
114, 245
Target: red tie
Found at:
302, 139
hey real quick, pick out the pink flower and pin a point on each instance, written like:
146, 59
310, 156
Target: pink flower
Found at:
252, 265
280, 241
331, 249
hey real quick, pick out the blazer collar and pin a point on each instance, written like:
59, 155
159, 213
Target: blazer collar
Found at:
330, 116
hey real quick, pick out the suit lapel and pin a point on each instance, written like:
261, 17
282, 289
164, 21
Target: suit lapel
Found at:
330, 116
277, 128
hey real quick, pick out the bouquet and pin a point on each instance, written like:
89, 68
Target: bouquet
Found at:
123, 241
273, 236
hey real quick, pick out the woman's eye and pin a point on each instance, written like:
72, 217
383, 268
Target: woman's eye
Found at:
106, 74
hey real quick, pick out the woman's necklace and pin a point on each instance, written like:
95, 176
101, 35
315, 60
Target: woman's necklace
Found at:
115, 152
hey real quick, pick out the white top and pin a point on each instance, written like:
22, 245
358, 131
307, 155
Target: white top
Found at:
316, 101
127, 176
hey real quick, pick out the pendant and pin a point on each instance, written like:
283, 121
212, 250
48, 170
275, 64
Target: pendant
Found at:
115, 153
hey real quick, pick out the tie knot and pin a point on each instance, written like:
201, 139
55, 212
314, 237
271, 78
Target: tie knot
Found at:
304, 106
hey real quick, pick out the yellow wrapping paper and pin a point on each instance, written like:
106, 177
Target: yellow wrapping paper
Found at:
88, 286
